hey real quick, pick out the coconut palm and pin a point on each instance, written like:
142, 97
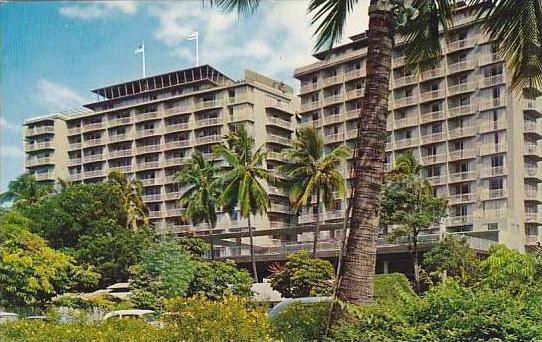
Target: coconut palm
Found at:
243, 178
132, 202
200, 199
25, 190
518, 29
312, 172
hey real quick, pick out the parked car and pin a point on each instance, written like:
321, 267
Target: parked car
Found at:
146, 315
38, 318
6, 317
280, 307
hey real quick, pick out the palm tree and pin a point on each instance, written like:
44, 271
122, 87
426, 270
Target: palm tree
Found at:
242, 180
312, 172
132, 202
25, 190
202, 196
517, 28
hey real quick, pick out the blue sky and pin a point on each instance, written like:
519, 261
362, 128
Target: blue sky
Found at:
53, 53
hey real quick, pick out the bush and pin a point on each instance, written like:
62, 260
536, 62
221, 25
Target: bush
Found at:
230, 319
390, 287
217, 278
300, 322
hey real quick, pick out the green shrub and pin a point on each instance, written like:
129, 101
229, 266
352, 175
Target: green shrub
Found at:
390, 287
300, 322
230, 319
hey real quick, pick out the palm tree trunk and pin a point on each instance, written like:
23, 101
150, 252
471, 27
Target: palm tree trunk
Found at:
317, 228
252, 260
357, 279
212, 243
415, 264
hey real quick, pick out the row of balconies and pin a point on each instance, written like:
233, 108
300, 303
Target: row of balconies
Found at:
39, 130
38, 161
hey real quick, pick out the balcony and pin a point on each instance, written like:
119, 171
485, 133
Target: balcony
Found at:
406, 143
120, 121
532, 106
309, 87
177, 161
280, 208
433, 138
326, 82
333, 138
533, 218
94, 174
433, 73
148, 148
489, 58
148, 165
279, 122
174, 212
334, 118
146, 116
177, 144
38, 161
460, 220
142, 133
74, 161
329, 100
533, 172
530, 127
354, 74
39, 146
461, 66
175, 195
93, 158
177, 127
531, 149
434, 159
118, 137
462, 198
355, 94
152, 198
462, 154
327, 216
463, 176
486, 149
208, 139
461, 132
308, 106
209, 122
494, 194
492, 104
433, 116
461, 44
43, 176
74, 130
279, 139
532, 240
351, 134
148, 181
179, 110
39, 130
209, 104
405, 101
461, 88
353, 114
155, 214
93, 126
74, 177
120, 153
437, 180
75, 146
408, 121
493, 171
492, 81
121, 168
404, 81
432, 95
93, 142
533, 195
280, 105
461, 110
493, 126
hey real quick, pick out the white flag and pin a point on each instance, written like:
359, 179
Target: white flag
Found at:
193, 36
140, 49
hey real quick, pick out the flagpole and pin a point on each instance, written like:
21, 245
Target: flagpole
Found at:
143, 56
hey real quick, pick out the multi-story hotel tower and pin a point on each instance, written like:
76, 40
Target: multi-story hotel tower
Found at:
478, 140
148, 128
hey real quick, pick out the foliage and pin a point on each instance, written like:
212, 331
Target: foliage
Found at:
452, 256
31, 272
216, 279
25, 191
303, 276
230, 319
300, 322
193, 245
137, 214
129, 330
392, 287
88, 302
164, 271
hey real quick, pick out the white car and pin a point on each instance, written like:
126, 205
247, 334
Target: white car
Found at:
146, 315
6, 317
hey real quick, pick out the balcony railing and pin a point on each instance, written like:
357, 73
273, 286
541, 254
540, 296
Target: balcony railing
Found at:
411, 120
404, 143
533, 172
492, 81
461, 44
40, 130
39, 146
120, 121
208, 104
434, 159
148, 165
95, 174
494, 193
209, 122
93, 142
405, 101
433, 138
174, 212
179, 110
177, 144
493, 126
146, 116
463, 176
432, 95
532, 240
43, 176
434, 73
459, 220
532, 105
152, 198
460, 132
38, 161
74, 161
332, 80
121, 168
147, 132
532, 128
93, 126
433, 116
76, 177
308, 87
437, 180
175, 195
533, 217
489, 58
462, 198
74, 130
461, 110
533, 195
177, 127
405, 80
75, 146
462, 154
492, 148
305, 107
461, 88
331, 215
216, 138
332, 138
333, 99
120, 153
329, 119
148, 148
355, 93
353, 74
279, 122
493, 103
93, 158
118, 137
177, 161
531, 149
462, 66
279, 139
493, 171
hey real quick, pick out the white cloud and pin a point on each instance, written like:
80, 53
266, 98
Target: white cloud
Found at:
10, 151
98, 9
275, 41
8, 126
57, 97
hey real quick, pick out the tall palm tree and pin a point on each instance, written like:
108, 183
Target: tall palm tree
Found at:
518, 30
132, 201
25, 190
202, 196
311, 171
242, 180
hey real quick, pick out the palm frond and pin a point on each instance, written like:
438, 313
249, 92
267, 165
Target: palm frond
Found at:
246, 7
330, 18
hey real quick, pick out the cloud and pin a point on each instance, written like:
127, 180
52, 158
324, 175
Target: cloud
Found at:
10, 151
275, 41
8, 126
57, 97
99, 9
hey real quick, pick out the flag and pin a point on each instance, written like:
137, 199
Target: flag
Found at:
193, 36
140, 49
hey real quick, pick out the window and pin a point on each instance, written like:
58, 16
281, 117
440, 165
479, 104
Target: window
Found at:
492, 226
496, 184
435, 107
497, 161
496, 93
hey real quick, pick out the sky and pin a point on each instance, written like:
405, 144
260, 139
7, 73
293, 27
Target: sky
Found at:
53, 53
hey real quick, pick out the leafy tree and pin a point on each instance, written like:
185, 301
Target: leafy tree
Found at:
25, 190
203, 193
137, 214
31, 272
216, 279
408, 202
452, 257
303, 276
312, 172
193, 245
516, 30
242, 180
